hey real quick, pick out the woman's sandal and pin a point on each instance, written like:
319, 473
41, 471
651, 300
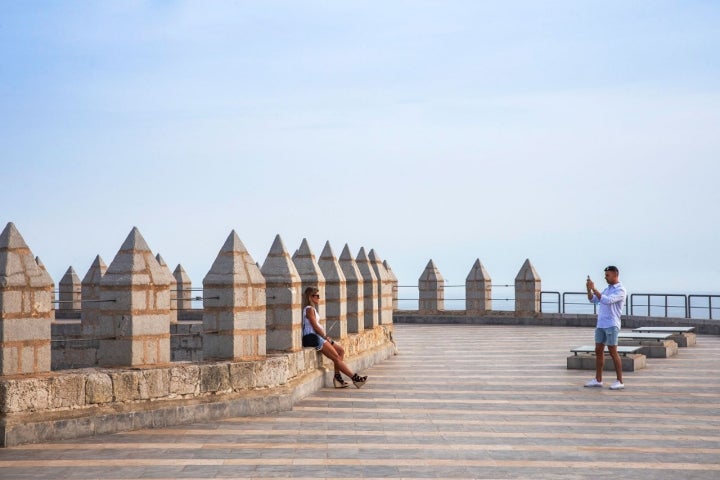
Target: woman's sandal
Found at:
359, 381
339, 382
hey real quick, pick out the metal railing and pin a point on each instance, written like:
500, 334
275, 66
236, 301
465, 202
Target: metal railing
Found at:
584, 301
665, 305
709, 307
647, 304
556, 294
652, 304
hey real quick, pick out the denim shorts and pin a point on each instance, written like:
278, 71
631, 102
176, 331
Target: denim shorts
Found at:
607, 336
313, 340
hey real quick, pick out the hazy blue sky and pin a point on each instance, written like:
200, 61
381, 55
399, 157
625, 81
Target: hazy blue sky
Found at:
573, 133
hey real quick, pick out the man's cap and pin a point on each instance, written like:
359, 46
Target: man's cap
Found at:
612, 268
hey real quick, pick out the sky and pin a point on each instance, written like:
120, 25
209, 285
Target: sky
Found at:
574, 133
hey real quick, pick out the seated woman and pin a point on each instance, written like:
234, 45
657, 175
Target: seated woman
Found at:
315, 336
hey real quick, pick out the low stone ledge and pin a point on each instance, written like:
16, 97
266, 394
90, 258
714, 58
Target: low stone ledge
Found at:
75, 403
27, 428
449, 317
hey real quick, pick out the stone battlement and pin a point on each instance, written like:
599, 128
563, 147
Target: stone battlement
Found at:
130, 363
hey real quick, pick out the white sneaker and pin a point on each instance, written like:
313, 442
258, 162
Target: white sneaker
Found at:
618, 385
593, 383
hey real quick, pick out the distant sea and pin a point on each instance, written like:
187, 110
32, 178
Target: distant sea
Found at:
656, 305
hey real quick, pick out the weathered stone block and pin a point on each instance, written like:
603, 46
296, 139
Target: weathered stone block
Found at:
26, 395
185, 380
24, 329
272, 372
154, 383
98, 388
66, 391
126, 386
10, 303
149, 325
243, 375
214, 378
36, 357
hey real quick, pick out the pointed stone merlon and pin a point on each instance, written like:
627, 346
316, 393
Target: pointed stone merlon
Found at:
42, 267
70, 291
384, 289
310, 274
26, 314
184, 288
335, 293
234, 305
134, 323
282, 290
173, 287
355, 292
370, 289
394, 281
478, 290
527, 289
432, 289
90, 288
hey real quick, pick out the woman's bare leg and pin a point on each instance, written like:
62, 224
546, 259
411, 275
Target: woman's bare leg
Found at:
330, 352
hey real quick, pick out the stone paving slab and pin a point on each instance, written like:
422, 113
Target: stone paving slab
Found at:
459, 401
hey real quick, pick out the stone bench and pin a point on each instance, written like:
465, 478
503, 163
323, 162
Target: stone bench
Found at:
583, 358
654, 345
683, 336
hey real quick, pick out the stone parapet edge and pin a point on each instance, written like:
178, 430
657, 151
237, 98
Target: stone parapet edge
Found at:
460, 317
19, 430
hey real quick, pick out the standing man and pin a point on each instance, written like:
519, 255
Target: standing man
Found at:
611, 302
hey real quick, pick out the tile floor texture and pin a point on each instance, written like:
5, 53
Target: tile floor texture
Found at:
458, 401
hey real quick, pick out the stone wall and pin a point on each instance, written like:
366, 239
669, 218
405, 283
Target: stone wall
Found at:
123, 356
80, 402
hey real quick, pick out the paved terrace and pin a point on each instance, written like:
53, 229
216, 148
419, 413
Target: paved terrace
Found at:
459, 401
